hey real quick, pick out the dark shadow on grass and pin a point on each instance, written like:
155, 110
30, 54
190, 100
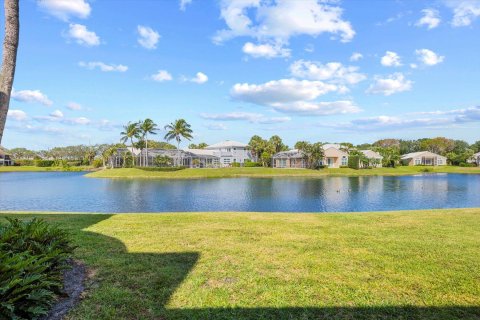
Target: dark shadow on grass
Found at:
146, 281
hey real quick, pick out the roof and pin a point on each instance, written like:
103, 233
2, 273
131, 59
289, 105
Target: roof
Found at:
371, 154
294, 153
331, 145
332, 151
227, 144
3, 151
201, 152
419, 154
476, 154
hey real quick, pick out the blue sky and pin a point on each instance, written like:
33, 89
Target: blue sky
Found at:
329, 71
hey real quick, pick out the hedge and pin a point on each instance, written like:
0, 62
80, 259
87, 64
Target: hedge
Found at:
160, 168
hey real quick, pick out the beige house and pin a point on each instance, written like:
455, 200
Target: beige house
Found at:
334, 157
374, 158
423, 158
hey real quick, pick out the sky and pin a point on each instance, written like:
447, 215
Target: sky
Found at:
315, 70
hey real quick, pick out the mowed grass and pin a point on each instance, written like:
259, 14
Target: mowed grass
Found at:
41, 169
272, 172
384, 265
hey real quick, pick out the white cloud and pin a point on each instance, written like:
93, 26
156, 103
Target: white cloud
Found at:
391, 59
265, 50
356, 56
17, 115
161, 76
388, 123
57, 114
389, 85
333, 71
184, 4
82, 35
103, 66
31, 96
74, 106
464, 11
428, 57
430, 18
79, 121
280, 20
216, 126
293, 96
148, 38
245, 116
64, 9
199, 78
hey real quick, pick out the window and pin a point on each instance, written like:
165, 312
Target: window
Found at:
418, 162
283, 163
344, 161
439, 161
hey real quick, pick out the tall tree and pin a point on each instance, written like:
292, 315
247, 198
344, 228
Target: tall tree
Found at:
130, 131
147, 127
9, 60
177, 130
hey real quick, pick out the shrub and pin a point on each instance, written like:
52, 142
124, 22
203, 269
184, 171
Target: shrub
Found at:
235, 165
25, 162
354, 162
97, 163
165, 169
426, 170
162, 161
33, 255
44, 163
251, 164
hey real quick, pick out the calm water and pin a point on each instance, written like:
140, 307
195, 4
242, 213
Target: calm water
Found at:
70, 191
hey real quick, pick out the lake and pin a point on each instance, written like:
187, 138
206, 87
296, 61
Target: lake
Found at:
71, 191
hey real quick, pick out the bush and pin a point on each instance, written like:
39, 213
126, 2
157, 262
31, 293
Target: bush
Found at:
97, 163
166, 169
235, 165
343, 167
33, 255
25, 162
250, 164
44, 163
464, 164
354, 162
426, 170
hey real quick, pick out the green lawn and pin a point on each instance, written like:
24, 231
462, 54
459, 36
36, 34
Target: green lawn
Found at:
39, 169
384, 265
269, 172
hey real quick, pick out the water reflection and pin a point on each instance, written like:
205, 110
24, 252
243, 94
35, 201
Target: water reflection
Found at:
66, 191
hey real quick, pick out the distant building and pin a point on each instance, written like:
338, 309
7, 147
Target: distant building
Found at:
222, 154
230, 152
5, 158
475, 159
374, 158
423, 158
333, 158
289, 159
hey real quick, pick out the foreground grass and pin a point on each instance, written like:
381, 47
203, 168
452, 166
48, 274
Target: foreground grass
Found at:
388, 265
271, 172
42, 169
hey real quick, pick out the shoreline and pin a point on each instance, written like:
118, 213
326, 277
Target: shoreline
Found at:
133, 173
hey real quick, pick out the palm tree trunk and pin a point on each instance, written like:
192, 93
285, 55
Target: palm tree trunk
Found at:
10, 46
146, 150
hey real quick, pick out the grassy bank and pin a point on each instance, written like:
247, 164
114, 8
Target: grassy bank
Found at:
388, 265
270, 172
42, 169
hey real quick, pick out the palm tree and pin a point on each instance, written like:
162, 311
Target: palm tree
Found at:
147, 126
10, 46
130, 131
177, 130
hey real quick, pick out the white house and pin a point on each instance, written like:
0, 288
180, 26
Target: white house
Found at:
475, 159
228, 151
424, 158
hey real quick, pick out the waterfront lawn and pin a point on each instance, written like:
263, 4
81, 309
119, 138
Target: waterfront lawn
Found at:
41, 169
384, 265
272, 172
